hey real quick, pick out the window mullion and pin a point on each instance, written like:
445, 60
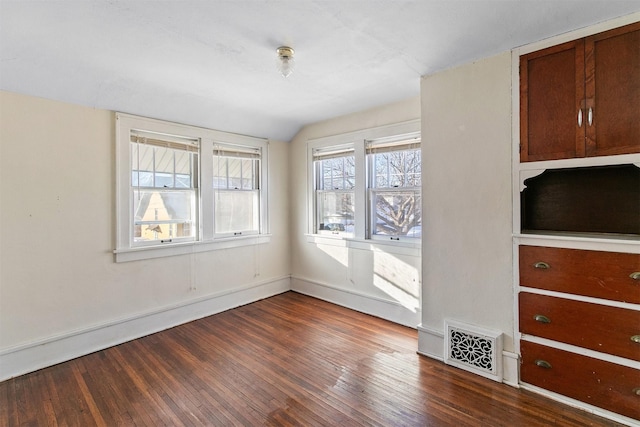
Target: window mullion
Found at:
360, 196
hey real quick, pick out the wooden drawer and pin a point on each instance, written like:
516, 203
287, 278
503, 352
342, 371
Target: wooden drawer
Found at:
597, 327
603, 384
596, 274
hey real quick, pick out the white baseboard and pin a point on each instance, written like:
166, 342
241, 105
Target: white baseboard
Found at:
431, 344
378, 307
36, 355
582, 405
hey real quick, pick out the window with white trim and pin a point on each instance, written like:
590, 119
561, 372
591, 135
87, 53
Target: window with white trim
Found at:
236, 188
183, 189
164, 188
334, 190
394, 181
366, 185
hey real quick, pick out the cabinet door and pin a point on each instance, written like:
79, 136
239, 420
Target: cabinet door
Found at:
612, 64
551, 97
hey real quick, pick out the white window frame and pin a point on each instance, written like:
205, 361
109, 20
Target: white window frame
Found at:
325, 153
205, 238
254, 154
358, 140
403, 141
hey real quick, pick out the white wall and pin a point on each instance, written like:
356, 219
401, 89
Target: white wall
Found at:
61, 294
467, 250
344, 275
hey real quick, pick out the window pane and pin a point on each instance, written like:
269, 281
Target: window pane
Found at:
182, 162
183, 181
337, 173
397, 169
219, 172
236, 211
247, 174
161, 215
164, 180
335, 211
397, 213
161, 167
164, 160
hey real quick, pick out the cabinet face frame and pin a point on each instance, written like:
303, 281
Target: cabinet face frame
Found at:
524, 170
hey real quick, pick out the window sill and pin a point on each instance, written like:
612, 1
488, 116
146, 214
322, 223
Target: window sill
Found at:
150, 252
395, 247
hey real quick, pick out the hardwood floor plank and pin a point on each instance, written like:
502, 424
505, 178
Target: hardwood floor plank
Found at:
289, 360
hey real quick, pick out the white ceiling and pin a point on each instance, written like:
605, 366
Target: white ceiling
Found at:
212, 63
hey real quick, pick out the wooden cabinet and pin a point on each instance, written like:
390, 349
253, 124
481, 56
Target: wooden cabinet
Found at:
581, 315
582, 98
577, 237
596, 382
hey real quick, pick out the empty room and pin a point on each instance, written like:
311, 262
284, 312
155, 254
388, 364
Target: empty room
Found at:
320, 213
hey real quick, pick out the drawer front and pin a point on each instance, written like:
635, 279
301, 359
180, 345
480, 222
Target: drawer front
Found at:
603, 384
607, 275
597, 327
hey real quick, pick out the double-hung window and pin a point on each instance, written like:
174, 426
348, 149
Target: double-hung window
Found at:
365, 186
334, 170
393, 172
182, 189
236, 187
164, 188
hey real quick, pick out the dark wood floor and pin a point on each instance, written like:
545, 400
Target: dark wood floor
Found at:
289, 360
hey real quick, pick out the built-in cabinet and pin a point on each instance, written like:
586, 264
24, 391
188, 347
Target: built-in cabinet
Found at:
577, 221
582, 98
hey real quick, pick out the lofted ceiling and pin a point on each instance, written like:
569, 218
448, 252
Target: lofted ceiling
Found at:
212, 63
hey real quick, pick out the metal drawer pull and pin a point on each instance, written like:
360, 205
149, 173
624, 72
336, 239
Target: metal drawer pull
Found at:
543, 364
636, 391
590, 116
636, 338
541, 265
635, 275
541, 318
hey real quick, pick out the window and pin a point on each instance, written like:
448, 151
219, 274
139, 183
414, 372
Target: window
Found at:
394, 171
366, 185
236, 186
163, 188
182, 189
335, 182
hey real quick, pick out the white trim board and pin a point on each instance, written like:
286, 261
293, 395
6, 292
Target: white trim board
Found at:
40, 354
368, 304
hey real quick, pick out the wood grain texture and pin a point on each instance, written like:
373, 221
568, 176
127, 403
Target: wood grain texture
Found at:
551, 94
597, 382
595, 274
289, 360
594, 326
598, 199
612, 64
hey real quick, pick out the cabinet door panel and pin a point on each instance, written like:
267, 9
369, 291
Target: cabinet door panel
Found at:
551, 94
612, 64
593, 326
599, 383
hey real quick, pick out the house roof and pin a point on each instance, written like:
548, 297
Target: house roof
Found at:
212, 63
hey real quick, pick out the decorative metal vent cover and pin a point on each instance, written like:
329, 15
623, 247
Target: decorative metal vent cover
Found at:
473, 349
